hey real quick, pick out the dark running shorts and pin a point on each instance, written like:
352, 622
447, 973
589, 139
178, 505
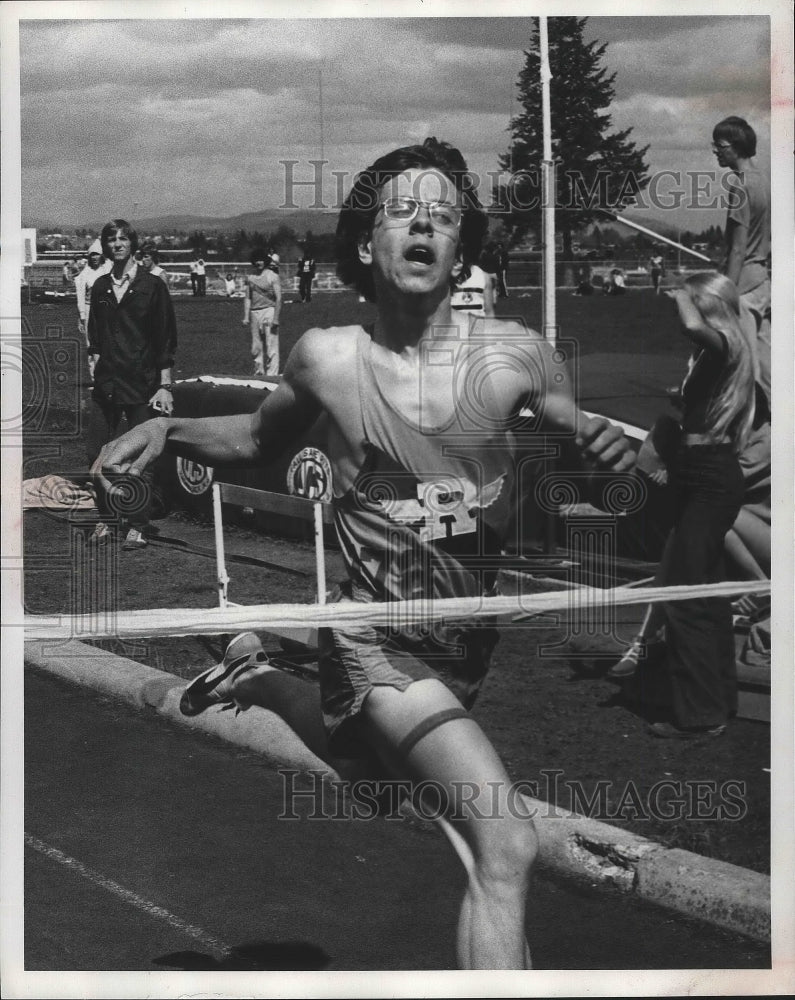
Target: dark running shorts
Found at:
353, 662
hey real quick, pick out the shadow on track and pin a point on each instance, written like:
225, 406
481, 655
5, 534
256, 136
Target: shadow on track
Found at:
254, 956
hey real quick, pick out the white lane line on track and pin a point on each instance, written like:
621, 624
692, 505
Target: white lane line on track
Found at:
127, 895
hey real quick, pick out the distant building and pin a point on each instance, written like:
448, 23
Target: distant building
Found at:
29, 246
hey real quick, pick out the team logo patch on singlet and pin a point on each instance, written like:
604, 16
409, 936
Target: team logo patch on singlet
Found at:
443, 507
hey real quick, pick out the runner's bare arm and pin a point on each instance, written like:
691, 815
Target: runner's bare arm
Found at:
601, 443
239, 439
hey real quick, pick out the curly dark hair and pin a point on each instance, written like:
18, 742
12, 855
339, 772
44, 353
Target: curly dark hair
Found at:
360, 207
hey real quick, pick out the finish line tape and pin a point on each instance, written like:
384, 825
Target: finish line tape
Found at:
148, 623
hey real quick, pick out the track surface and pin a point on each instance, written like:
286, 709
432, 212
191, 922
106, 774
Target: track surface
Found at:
150, 848
170, 850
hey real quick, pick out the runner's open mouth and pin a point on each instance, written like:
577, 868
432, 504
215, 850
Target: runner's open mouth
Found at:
420, 254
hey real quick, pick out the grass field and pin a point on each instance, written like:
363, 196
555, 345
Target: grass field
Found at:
628, 351
549, 711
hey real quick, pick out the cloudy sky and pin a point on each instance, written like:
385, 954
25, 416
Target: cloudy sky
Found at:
194, 115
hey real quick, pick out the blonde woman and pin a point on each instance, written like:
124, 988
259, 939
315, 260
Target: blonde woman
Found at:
718, 396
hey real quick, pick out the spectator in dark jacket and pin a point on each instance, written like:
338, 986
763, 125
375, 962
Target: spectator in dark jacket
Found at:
132, 337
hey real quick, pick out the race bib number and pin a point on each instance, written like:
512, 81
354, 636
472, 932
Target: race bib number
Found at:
445, 508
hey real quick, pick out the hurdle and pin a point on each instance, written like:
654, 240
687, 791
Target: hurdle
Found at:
319, 512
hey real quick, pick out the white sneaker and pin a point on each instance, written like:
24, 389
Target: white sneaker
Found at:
214, 686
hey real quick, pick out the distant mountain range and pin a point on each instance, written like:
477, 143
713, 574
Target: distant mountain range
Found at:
656, 224
299, 220
265, 221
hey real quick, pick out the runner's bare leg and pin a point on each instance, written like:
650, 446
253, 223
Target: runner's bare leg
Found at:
497, 852
500, 841
297, 702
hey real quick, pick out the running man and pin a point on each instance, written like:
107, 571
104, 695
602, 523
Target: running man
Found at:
261, 308
420, 407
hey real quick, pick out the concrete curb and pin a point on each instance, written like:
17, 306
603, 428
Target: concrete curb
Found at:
722, 894
255, 729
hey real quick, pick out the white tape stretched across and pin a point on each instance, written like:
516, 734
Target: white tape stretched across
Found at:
350, 614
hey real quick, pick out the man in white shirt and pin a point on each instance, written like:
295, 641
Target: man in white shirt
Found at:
84, 282
201, 277
261, 308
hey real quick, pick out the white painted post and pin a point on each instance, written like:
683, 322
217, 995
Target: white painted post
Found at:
320, 555
220, 559
548, 276
547, 191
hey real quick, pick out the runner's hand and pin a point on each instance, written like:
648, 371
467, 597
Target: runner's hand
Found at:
132, 452
604, 444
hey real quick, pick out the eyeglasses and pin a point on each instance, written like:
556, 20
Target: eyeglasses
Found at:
405, 210
718, 146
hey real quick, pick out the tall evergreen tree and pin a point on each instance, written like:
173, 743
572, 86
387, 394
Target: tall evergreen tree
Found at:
595, 167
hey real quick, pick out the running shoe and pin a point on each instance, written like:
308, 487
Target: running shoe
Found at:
214, 686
